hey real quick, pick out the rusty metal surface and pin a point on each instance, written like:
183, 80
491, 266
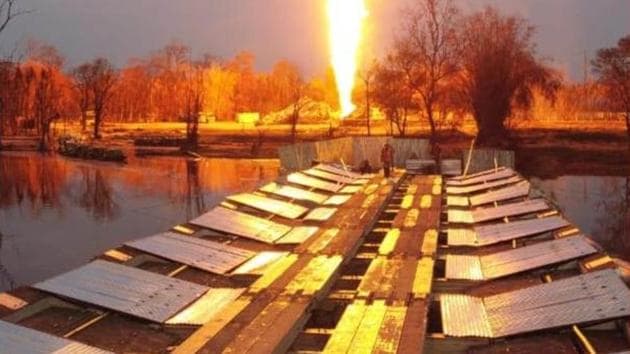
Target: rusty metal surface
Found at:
586, 298
312, 182
294, 193
273, 206
125, 289
241, 224
16, 339
518, 260
483, 186
203, 254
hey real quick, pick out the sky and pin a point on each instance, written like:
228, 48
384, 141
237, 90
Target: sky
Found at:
287, 29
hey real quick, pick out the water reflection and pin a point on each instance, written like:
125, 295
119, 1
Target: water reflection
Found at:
598, 205
57, 213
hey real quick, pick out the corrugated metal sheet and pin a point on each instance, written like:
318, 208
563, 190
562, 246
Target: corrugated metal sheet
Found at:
590, 297
457, 201
241, 224
206, 255
320, 214
483, 186
294, 193
16, 339
463, 267
259, 263
461, 237
273, 206
534, 256
341, 171
312, 182
333, 177
482, 177
518, 260
298, 234
464, 316
207, 307
493, 213
494, 233
338, 199
520, 190
125, 289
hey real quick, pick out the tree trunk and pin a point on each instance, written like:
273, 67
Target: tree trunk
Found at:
97, 123
83, 119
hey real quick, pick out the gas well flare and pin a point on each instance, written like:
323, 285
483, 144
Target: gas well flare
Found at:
345, 27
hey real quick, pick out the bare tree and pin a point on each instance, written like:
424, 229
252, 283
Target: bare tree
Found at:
8, 12
95, 81
81, 76
500, 71
193, 104
366, 75
48, 97
612, 66
391, 92
430, 45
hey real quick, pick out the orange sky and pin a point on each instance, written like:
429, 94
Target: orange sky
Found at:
273, 29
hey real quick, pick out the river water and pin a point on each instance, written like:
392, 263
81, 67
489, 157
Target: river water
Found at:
57, 213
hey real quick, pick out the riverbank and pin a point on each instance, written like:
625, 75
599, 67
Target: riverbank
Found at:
579, 150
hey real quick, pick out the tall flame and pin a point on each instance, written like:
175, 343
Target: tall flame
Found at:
345, 22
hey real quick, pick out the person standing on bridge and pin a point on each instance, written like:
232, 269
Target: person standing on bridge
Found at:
387, 158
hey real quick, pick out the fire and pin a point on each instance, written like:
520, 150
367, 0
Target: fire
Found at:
345, 22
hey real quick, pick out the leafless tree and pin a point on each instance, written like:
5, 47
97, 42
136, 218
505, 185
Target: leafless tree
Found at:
193, 104
47, 104
366, 75
95, 81
9, 10
430, 45
391, 92
81, 78
500, 71
612, 66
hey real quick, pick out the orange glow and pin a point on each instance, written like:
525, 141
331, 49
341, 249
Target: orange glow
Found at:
345, 25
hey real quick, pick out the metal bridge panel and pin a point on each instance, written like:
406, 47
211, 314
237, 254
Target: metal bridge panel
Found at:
241, 224
273, 206
203, 254
125, 289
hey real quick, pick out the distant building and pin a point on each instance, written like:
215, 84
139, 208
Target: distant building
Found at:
248, 117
